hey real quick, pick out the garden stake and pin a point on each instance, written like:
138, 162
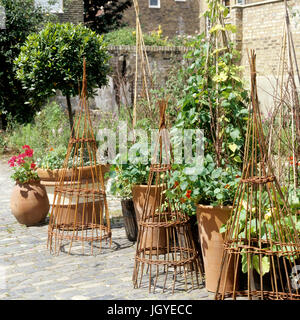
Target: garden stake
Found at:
165, 245
261, 237
80, 210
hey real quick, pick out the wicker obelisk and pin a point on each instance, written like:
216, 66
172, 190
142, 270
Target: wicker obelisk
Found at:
80, 210
261, 239
165, 247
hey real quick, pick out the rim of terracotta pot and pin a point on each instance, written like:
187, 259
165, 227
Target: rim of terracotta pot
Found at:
32, 181
51, 173
211, 207
144, 185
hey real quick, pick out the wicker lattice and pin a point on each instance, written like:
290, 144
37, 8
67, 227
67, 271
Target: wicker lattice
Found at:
165, 244
80, 210
261, 243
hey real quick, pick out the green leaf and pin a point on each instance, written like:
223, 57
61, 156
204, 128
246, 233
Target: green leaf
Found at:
232, 147
265, 264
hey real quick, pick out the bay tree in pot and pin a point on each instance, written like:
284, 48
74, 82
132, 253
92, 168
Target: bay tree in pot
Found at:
52, 59
216, 102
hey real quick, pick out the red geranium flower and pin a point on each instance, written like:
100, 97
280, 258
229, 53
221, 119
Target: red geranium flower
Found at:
28, 153
26, 146
33, 165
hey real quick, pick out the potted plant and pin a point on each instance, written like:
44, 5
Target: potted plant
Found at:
29, 201
216, 102
49, 169
122, 188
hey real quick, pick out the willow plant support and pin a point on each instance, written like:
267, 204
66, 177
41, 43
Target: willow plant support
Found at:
261, 234
165, 247
80, 210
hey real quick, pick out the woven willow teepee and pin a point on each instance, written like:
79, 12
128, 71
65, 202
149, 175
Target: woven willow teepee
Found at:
80, 210
261, 239
165, 245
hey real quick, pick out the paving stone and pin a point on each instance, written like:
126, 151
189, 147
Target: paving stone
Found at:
33, 273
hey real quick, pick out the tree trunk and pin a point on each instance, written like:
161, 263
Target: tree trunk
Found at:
70, 111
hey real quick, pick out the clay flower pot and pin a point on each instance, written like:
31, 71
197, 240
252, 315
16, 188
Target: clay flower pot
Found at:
29, 203
84, 212
157, 235
49, 178
210, 219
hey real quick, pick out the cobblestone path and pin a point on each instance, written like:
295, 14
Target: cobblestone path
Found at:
28, 270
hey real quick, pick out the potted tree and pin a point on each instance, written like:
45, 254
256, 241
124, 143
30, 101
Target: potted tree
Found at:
29, 201
52, 59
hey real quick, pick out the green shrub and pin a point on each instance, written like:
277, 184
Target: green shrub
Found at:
48, 130
22, 18
52, 60
127, 36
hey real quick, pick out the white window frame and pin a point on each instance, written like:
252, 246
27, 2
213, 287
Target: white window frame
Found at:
152, 6
240, 4
60, 3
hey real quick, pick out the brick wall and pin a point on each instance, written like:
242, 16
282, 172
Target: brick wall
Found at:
123, 61
175, 17
262, 29
72, 11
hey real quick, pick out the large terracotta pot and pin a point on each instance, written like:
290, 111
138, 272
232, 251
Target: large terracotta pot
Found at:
50, 178
210, 219
158, 235
29, 203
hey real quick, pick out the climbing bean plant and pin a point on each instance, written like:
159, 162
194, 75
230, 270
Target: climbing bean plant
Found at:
215, 101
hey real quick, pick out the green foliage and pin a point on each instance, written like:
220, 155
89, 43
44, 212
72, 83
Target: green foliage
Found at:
271, 222
22, 18
110, 17
48, 130
215, 101
53, 159
120, 186
23, 166
127, 36
53, 58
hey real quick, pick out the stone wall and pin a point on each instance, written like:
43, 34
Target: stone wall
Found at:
120, 88
72, 11
175, 17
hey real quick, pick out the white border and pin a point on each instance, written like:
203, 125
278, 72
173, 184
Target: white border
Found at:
157, 7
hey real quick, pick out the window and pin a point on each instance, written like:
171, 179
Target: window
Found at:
240, 1
53, 6
180, 0
154, 3
226, 3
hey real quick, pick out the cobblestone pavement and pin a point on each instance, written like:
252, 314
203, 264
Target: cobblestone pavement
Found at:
28, 270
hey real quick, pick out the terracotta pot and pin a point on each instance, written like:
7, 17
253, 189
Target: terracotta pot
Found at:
29, 203
50, 178
130, 222
159, 238
139, 196
210, 219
